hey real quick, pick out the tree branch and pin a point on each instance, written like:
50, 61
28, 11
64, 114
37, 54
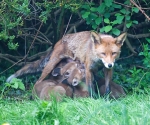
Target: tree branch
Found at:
139, 35
128, 5
38, 38
29, 59
140, 9
75, 25
129, 45
10, 56
142, 24
127, 40
126, 57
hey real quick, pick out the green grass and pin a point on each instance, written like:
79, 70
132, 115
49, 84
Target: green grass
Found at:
132, 110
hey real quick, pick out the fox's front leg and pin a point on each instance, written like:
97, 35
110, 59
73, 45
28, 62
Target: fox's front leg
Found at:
108, 77
54, 60
88, 75
49, 67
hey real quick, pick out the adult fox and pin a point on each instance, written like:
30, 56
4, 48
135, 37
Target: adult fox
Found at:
90, 48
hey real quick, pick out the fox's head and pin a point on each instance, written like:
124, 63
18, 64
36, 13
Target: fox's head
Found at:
108, 48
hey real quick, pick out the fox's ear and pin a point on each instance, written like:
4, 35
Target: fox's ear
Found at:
120, 39
68, 67
56, 72
95, 37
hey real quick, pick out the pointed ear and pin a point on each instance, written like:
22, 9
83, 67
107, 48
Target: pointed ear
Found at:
65, 81
95, 37
56, 72
120, 39
68, 67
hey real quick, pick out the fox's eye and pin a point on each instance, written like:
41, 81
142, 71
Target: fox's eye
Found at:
66, 74
114, 53
103, 54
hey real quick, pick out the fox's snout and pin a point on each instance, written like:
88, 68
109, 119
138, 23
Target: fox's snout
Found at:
108, 65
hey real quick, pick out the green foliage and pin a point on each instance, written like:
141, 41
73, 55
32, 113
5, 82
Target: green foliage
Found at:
72, 5
146, 54
10, 20
135, 79
140, 78
12, 46
15, 15
14, 84
100, 16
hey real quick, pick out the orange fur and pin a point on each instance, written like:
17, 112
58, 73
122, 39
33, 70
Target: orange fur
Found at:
52, 80
49, 87
66, 87
89, 48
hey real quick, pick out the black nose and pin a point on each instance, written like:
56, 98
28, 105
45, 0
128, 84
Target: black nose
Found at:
109, 65
75, 82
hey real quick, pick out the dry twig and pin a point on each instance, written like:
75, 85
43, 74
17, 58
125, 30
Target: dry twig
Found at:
27, 52
140, 9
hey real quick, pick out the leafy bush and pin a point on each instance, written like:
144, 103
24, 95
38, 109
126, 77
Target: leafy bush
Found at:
11, 20
14, 84
136, 78
103, 16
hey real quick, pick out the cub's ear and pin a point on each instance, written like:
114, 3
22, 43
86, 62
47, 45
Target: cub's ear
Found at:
56, 72
65, 81
120, 39
95, 37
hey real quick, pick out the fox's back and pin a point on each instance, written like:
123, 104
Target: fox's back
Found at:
78, 43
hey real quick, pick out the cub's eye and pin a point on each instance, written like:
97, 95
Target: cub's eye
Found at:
66, 74
103, 54
114, 53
